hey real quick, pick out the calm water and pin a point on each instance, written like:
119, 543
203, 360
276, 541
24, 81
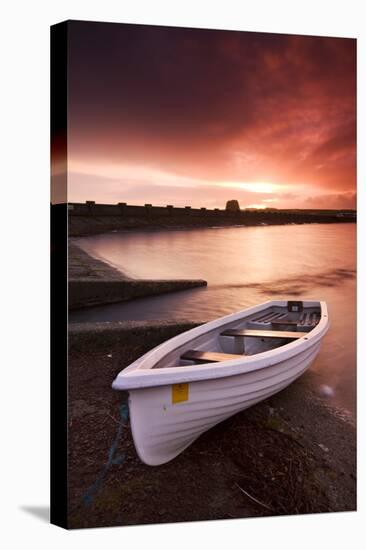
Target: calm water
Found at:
243, 267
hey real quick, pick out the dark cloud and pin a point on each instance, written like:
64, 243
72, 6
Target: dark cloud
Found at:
341, 141
216, 105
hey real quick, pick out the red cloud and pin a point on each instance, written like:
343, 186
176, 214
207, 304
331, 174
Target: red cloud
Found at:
215, 105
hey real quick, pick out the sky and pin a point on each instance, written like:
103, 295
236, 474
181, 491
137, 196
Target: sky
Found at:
179, 116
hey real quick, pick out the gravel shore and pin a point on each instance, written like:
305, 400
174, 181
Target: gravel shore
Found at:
290, 454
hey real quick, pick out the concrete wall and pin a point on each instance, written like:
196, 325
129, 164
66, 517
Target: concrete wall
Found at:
90, 218
84, 293
90, 208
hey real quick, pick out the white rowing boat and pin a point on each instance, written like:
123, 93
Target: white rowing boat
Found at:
197, 379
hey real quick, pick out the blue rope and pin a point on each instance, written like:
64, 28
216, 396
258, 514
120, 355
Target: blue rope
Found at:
88, 495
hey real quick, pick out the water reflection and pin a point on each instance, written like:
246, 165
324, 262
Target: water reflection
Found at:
243, 267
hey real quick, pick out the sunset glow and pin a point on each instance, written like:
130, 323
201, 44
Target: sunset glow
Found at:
183, 116
256, 187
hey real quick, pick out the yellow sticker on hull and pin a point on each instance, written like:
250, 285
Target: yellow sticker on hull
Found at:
179, 393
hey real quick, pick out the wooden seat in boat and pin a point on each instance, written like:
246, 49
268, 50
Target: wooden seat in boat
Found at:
289, 335
284, 322
208, 356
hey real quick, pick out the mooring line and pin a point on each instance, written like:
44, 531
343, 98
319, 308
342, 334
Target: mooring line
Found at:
89, 493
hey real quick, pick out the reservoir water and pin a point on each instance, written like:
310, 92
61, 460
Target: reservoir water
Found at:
245, 266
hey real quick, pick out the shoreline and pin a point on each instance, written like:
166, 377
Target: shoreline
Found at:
94, 282
83, 267
178, 227
90, 218
275, 451
113, 225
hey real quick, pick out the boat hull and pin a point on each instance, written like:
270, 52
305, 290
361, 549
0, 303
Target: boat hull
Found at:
163, 425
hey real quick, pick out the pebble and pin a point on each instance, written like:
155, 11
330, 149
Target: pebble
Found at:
326, 391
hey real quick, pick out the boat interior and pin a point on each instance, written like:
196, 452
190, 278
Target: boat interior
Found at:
272, 327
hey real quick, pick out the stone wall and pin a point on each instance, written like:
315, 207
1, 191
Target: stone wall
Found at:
91, 218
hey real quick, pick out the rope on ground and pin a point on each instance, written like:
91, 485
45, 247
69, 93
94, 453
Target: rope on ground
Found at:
90, 492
